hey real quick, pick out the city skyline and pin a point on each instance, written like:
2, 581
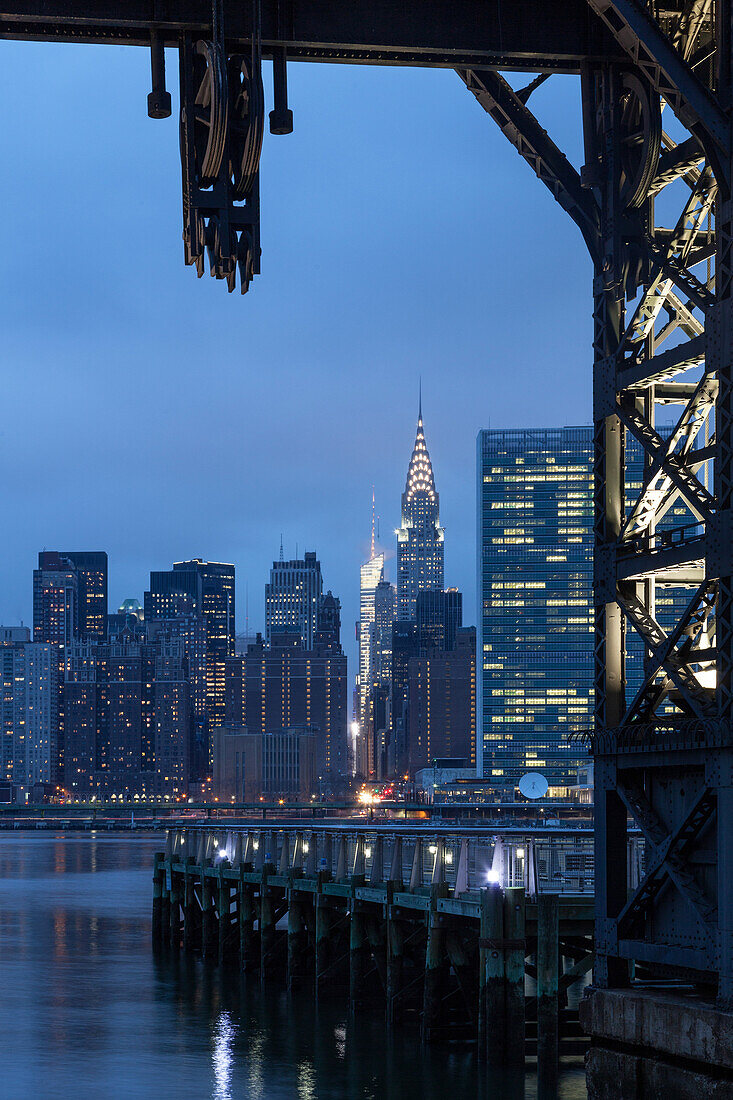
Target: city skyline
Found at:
142, 442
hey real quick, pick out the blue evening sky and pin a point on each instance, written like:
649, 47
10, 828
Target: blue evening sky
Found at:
153, 415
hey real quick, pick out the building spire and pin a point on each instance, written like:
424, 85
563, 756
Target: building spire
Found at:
420, 471
372, 553
419, 409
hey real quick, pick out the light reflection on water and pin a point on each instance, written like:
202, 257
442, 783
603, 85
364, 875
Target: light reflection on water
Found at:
95, 1015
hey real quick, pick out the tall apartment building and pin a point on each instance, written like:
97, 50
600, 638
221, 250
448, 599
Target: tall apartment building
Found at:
442, 703
70, 595
28, 709
284, 686
200, 597
534, 584
420, 538
292, 597
127, 717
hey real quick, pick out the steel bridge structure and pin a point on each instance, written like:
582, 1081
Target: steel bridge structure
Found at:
653, 203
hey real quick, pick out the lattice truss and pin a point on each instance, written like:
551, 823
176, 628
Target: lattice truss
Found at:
653, 204
653, 243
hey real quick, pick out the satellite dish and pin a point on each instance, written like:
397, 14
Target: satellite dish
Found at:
533, 785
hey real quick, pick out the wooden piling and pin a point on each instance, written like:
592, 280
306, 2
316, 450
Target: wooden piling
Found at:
492, 1020
224, 906
165, 904
208, 917
514, 933
249, 954
175, 911
548, 934
395, 961
267, 924
191, 918
297, 938
359, 950
158, 880
436, 969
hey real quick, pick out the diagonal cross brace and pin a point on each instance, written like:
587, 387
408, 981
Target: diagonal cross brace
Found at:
651, 693
669, 862
675, 665
700, 501
548, 162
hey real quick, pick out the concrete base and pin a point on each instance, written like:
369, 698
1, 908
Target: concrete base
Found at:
648, 1043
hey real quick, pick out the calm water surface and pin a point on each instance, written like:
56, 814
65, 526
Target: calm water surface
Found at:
86, 1011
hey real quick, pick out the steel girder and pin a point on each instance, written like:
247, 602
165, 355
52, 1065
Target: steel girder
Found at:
662, 337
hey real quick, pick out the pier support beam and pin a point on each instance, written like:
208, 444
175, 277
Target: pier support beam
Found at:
249, 948
158, 882
548, 934
437, 969
191, 911
175, 911
360, 955
514, 932
208, 917
395, 962
297, 939
492, 1023
267, 925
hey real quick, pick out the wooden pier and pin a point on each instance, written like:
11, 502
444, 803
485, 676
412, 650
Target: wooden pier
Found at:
468, 934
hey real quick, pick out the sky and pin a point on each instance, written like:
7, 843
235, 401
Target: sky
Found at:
152, 415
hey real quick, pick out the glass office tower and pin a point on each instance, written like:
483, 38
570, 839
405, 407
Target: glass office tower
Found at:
535, 616
535, 620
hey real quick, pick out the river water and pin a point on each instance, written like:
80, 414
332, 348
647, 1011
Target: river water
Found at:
88, 1013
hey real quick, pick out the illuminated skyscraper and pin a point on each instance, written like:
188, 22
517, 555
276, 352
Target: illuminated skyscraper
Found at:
293, 596
371, 574
420, 537
535, 613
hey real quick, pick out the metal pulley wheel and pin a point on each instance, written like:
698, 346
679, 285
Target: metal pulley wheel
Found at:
246, 122
640, 128
210, 112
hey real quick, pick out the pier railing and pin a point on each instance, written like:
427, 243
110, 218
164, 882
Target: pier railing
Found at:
558, 861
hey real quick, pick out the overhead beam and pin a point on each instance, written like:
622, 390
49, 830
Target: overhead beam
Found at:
528, 35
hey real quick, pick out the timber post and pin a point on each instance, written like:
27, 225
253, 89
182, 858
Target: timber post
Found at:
548, 934
492, 1019
297, 936
208, 916
249, 955
359, 950
436, 968
515, 943
267, 922
158, 881
175, 911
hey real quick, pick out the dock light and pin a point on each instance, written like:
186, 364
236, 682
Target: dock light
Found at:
433, 849
216, 843
520, 853
493, 876
367, 852
448, 857
306, 848
255, 844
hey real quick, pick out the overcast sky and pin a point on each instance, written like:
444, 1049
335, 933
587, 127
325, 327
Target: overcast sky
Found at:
153, 415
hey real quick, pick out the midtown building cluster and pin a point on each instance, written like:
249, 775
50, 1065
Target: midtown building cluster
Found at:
415, 695
147, 701
164, 699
